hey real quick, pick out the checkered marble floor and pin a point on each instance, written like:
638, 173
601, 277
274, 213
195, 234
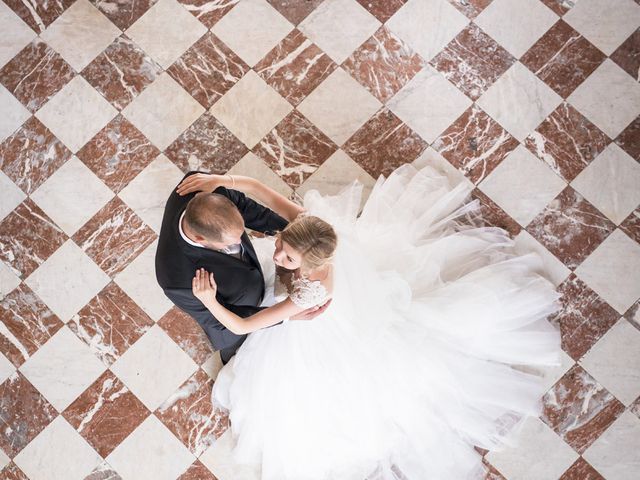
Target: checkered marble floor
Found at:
106, 103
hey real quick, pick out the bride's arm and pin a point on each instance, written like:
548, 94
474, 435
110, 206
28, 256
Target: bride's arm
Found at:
264, 194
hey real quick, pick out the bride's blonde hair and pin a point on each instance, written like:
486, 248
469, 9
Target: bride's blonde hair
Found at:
314, 238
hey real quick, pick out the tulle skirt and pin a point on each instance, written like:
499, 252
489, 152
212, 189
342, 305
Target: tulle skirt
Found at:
412, 365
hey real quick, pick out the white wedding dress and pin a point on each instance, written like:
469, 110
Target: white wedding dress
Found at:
411, 365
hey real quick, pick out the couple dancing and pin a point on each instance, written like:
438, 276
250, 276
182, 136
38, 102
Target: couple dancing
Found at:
382, 346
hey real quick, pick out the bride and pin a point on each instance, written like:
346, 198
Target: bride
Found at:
412, 364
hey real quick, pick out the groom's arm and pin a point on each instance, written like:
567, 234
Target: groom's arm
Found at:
256, 216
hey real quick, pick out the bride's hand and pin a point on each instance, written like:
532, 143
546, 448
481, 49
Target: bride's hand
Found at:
204, 287
200, 182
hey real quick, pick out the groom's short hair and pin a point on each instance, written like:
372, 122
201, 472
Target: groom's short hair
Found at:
213, 216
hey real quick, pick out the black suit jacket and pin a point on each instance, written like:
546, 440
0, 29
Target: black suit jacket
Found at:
240, 282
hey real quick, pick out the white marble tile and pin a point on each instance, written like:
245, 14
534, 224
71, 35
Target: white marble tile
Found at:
154, 367
6, 370
519, 101
251, 29
163, 111
434, 159
76, 113
58, 453
611, 183
251, 109
13, 115
527, 21
147, 194
614, 361
616, 454
72, 195
613, 271
67, 280
8, 280
4, 460
166, 31
427, 25
213, 365
62, 368
252, 166
522, 185
80, 34
338, 27
10, 195
553, 269
616, 20
609, 97
15, 34
339, 106
219, 460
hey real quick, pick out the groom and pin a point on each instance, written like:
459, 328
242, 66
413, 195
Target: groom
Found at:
207, 230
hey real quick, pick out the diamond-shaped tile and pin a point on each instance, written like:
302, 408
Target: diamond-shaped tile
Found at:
611, 183
104, 471
383, 144
627, 56
58, 453
208, 11
252, 28
197, 471
14, 113
473, 61
36, 74
631, 225
10, 195
567, 141
188, 334
562, 58
12, 472
39, 15
106, 413
471, 8
206, 145
294, 149
110, 323
383, 10
250, 165
295, 67
519, 101
293, 10
552, 268
580, 470
629, 139
427, 25
617, 257
8, 280
493, 215
16, 34
123, 13
151, 452
25, 413
121, 72
27, 324
163, 111
475, 144
610, 98
6, 370
28, 237
166, 31
80, 34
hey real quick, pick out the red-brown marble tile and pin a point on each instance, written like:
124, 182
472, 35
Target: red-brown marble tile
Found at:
584, 317
208, 11
635, 407
190, 415
123, 13
295, 67
12, 472
473, 61
581, 470
383, 10
27, 238
39, 14
627, 56
206, 145
579, 409
103, 472
110, 323
114, 237
490, 214
559, 6
633, 315
631, 225
294, 10
475, 144
383, 144
106, 413
295, 149
570, 227
186, 332
118, 153
629, 139
121, 72
25, 413
36, 74
197, 471
562, 58
384, 64
208, 70
567, 141
492, 472
31, 155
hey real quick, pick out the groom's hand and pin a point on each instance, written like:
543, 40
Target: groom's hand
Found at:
311, 313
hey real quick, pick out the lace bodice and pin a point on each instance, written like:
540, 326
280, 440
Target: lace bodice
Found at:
306, 293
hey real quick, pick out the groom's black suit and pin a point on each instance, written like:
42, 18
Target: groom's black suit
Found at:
240, 282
